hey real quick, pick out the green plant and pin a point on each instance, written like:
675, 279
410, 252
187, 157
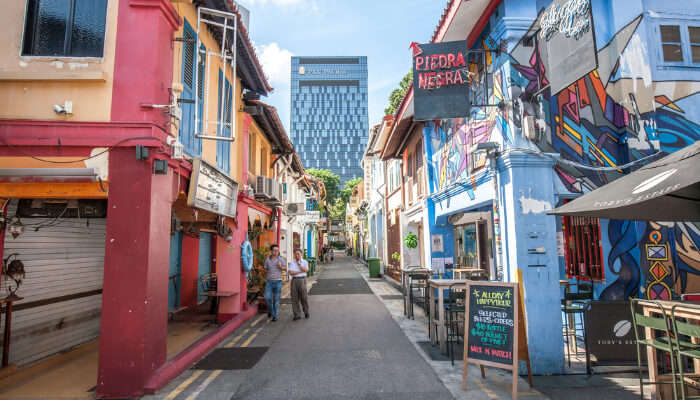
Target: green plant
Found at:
257, 277
396, 256
411, 240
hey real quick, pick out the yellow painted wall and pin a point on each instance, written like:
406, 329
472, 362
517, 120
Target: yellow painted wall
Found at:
188, 12
30, 86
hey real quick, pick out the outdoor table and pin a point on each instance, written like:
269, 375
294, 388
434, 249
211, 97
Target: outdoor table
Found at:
405, 274
691, 313
441, 334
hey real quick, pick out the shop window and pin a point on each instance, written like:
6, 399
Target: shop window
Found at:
583, 252
65, 28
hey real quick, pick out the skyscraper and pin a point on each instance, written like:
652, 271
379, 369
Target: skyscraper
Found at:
329, 123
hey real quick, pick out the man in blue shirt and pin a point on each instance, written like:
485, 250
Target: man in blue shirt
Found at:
298, 268
274, 265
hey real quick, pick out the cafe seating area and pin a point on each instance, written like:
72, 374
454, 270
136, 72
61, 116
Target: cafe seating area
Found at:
442, 299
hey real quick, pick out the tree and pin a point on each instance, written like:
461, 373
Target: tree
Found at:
330, 180
347, 190
397, 94
337, 210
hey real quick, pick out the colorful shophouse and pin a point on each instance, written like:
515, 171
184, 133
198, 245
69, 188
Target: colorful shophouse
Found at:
565, 94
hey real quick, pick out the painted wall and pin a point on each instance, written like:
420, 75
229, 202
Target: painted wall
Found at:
30, 86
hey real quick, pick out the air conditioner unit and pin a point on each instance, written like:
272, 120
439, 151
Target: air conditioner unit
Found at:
295, 209
529, 128
260, 187
270, 188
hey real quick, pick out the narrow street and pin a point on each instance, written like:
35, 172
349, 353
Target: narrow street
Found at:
349, 348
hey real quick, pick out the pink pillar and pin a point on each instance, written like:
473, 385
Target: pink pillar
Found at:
135, 290
190, 271
230, 272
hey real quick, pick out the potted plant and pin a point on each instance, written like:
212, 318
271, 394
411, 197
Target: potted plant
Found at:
411, 240
257, 277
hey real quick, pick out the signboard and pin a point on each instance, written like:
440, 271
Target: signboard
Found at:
610, 333
566, 42
212, 190
493, 329
440, 80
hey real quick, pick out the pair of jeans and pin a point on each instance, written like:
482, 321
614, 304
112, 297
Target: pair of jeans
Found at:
273, 292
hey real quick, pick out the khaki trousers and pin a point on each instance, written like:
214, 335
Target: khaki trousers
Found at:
298, 290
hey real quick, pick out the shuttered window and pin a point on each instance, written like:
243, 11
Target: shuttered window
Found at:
223, 148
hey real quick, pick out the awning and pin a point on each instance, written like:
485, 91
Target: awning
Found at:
665, 190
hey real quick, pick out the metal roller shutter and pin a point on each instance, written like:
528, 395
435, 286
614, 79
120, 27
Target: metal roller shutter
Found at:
62, 300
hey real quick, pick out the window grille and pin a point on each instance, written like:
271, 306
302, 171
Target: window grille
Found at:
583, 252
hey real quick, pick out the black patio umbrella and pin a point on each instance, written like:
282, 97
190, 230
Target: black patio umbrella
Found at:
665, 190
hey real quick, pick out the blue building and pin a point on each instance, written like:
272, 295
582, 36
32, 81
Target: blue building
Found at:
559, 106
329, 122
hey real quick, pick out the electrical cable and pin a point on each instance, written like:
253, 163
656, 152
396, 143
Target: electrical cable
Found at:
579, 165
86, 158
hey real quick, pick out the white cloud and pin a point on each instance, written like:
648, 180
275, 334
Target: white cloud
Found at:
276, 62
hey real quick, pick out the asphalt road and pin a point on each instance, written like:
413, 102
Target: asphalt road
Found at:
350, 348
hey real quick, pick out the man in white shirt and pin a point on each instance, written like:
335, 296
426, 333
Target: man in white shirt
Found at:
297, 269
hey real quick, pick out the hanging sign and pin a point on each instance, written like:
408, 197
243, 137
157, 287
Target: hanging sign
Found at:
494, 328
440, 80
211, 189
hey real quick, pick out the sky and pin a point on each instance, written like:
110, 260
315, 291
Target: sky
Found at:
379, 29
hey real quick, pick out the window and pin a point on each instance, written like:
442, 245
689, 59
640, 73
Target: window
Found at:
251, 153
583, 253
671, 43
680, 43
65, 28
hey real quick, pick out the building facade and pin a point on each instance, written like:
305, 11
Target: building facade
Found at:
329, 120
547, 126
99, 155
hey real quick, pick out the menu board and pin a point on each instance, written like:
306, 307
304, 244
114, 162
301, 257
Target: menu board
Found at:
491, 323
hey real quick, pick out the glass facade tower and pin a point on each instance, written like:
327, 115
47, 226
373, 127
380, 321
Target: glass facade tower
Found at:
329, 122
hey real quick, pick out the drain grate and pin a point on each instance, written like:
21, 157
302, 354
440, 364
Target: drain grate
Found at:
340, 286
391, 296
232, 358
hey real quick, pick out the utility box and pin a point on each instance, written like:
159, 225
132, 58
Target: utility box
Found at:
373, 267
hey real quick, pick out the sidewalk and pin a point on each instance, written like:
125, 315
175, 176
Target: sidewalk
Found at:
619, 386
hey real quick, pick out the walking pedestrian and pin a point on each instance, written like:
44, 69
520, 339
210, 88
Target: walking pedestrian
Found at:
298, 268
274, 265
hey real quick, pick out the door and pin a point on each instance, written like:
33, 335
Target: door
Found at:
175, 277
204, 263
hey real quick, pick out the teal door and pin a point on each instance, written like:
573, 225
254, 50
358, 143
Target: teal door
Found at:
175, 270
204, 262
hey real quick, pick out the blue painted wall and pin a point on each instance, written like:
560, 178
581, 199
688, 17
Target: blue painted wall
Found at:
204, 261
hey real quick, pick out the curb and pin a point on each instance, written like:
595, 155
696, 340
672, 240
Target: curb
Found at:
174, 367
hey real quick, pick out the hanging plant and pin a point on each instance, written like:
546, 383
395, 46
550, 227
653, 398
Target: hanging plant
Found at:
411, 240
396, 256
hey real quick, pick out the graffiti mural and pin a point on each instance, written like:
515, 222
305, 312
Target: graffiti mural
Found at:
623, 110
610, 116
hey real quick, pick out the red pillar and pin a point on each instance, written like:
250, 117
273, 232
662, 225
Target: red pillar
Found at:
135, 290
190, 271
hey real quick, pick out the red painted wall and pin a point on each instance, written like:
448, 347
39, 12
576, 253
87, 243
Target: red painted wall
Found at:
143, 68
190, 271
135, 290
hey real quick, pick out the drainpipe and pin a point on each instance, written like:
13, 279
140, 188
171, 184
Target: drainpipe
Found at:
496, 215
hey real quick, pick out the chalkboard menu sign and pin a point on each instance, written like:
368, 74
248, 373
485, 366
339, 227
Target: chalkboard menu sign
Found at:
491, 323
495, 333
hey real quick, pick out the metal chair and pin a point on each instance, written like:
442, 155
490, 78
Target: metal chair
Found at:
658, 324
683, 332
454, 306
420, 282
208, 283
573, 306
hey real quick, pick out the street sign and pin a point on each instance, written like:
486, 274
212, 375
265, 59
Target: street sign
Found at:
440, 80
